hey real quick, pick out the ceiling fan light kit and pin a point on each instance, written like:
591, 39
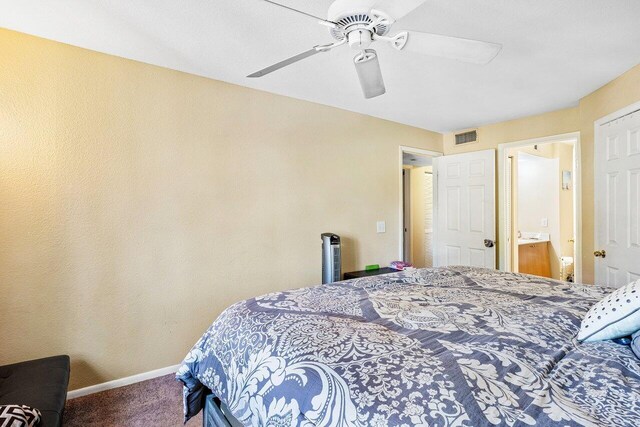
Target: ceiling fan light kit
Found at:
360, 23
369, 73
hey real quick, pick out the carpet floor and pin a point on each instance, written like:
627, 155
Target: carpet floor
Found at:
155, 402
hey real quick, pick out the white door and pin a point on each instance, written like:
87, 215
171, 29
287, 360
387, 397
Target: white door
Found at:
617, 201
465, 207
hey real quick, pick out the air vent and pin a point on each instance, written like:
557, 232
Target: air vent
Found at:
466, 137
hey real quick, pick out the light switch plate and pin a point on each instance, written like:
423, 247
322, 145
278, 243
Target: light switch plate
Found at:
381, 226
544, 222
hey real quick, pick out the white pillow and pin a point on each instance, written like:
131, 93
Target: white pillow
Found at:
616, 315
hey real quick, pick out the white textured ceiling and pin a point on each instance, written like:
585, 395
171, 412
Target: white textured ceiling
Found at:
555, 51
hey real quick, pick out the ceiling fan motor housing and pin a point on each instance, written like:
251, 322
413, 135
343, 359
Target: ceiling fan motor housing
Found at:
354, 16
359, 39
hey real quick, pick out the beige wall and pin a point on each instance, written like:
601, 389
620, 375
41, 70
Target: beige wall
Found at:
489, 136
564, 153
623, 91
136, 202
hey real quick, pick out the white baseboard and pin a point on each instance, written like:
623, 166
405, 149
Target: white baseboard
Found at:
122, 382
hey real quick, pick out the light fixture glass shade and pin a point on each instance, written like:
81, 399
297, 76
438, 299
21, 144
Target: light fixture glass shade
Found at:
368, 69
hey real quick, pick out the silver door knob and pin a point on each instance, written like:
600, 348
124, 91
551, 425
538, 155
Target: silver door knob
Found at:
489, 243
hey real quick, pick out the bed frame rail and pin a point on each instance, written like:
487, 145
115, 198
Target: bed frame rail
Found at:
216, 414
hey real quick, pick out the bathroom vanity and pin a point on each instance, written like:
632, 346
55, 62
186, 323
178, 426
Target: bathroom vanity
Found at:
533, 255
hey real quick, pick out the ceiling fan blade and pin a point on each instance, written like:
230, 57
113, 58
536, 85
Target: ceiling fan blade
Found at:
465, 50
322, 20
369, 73
398, 8
286, 62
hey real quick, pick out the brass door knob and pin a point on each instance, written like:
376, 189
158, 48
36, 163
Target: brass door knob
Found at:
600, 254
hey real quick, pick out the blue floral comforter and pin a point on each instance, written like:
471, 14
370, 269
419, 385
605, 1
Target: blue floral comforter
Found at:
454, 346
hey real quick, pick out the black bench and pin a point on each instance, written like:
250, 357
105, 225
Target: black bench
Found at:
41, 384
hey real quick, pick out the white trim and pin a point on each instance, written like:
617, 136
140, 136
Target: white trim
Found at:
596, 140
577, 206
622, 112
419, 151
122, 382
573, 137
508, 208
434, 215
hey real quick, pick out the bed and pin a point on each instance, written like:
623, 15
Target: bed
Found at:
456, 346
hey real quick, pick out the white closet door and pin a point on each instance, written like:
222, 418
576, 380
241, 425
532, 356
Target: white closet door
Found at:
465, 203
617, 202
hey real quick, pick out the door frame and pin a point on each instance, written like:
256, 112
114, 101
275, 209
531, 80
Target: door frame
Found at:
503, 149
420, 152
406, 201
629, 109
508, 208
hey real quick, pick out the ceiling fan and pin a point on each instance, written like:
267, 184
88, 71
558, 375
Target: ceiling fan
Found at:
359, 23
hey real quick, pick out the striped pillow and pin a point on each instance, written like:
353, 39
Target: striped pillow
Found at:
19, 416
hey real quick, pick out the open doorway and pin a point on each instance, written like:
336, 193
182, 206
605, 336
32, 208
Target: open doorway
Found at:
540, 213
417, 206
